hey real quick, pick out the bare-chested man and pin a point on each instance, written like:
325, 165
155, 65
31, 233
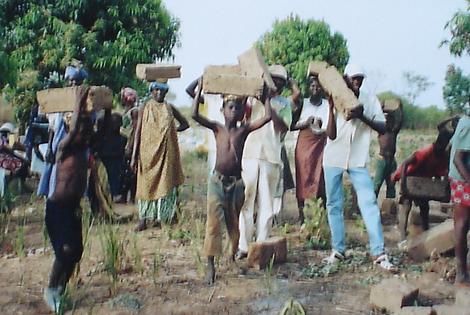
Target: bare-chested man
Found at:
225, 195
387, 164
63, 213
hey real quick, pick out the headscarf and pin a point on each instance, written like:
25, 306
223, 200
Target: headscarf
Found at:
74, 73
163, 86
128, 95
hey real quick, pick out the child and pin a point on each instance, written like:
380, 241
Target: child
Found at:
459, 176
63, 217
225, 195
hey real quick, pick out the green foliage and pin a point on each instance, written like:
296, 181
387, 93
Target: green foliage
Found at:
113, 250
459, 27
416, 117
294, 42
109, 36
456, 90
316, 224
417, 84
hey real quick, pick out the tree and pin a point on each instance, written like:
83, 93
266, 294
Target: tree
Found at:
459, 27
109, 36
294, 43
456, 90
416, 85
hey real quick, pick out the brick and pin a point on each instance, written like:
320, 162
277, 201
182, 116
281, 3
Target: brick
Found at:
439, 239
450, 310
64, 99
428, 188
462, 298
260, 253
252, 64
392, 294
391, 105
315, 67
155, 71
235, 84
416, 310
389, 206
333, 83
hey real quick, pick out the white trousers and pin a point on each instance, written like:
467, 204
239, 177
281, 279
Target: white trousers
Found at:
262, 181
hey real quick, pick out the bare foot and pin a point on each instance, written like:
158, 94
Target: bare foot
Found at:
209, 279
142, 225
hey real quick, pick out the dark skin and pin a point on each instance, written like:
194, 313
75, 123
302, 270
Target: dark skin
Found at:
316, 98
388, 140
281, 84
423, 204
230, 140
71, 176
357, 112
159, 96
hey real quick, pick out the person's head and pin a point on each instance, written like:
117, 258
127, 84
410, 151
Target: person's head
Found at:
314, 87
75, 75
158, 90
128, 97
356, 75
116, 122
279, 75
442, 140
233, 108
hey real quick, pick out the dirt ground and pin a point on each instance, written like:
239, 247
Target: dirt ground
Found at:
159, 271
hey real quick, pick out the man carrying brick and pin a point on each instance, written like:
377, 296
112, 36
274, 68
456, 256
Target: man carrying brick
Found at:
349, 152
459, 175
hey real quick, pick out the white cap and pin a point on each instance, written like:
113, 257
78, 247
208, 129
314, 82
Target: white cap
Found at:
7, 127
353, 70
278, 71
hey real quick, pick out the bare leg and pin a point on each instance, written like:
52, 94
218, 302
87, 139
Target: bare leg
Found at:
142, 225
57, 274
210, 271
461, 225
403, 213
300, 204
424, 213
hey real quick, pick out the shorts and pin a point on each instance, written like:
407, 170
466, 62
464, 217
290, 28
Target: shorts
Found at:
459, 192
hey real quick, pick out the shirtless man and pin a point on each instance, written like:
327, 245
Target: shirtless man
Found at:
225, 195
63, 216
387, 164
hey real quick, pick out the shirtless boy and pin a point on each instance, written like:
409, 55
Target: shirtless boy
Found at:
63, 216
225, 195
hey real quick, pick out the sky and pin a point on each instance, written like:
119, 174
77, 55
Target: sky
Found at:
386, 37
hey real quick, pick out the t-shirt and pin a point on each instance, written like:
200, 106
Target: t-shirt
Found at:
428, 164
321, 111
460, 141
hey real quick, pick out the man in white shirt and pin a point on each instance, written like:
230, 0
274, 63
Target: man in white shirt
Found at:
349, 152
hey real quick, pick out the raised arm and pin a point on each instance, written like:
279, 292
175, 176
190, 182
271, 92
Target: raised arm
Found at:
196, 115
80, 105
331, 127
263, 120
191, 90
459, 161
183, 122
400, 119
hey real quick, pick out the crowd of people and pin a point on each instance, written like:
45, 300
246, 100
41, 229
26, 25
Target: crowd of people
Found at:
133, 156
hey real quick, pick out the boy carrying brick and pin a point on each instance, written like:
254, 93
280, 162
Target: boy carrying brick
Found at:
225, 194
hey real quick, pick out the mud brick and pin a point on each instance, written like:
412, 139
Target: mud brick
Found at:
450, 310
462, 298
439, 239
315, 67
333, 83
100, 97
155, 71
389, 206
252, 64
260, 253
391, 105
416, 310
57, 100
219, 80
392, 294
428, 188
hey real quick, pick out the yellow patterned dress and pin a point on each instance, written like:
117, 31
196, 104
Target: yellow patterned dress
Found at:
159, 167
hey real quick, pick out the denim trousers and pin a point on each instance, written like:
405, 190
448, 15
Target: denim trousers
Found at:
370, 212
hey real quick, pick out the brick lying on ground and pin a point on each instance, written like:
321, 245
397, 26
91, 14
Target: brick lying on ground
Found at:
64, 99
439, 239
415, 310
155, 71
260, 253
333, 83
392, 294
450, 310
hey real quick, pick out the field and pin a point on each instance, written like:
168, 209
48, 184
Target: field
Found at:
159, 271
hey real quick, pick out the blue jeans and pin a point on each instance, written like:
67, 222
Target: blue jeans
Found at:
364, 187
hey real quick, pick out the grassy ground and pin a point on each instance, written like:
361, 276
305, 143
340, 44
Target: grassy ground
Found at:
159, 271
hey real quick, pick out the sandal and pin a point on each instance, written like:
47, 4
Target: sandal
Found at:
334, 258
383, 262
